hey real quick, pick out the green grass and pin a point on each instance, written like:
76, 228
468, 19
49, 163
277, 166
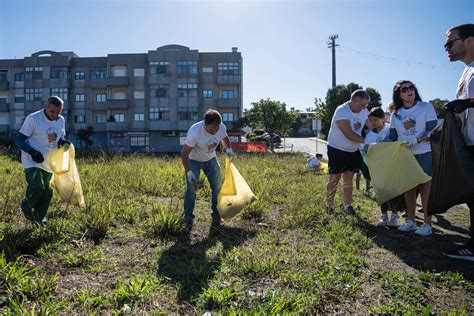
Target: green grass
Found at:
126, 251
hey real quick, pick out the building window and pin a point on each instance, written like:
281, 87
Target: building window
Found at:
3, 77
228, 69
187, 67
139, 140
159, 114
139, 94
19, 99
99, 74
139, 72
187, 114
80, 75
119, 95
79, 119
19, 76
79, 97
227, 94
3, 100
119, 71
119, 117
139, 117
207, 93
60, 92
207, 70
34, 72
58, 73
159, 91
159, 67
228, 117
34, 94
186, 90
100, 118
101, 97
19, 120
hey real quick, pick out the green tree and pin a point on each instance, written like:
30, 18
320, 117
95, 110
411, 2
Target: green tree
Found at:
85, 134
438, 105
337, 96
271, 116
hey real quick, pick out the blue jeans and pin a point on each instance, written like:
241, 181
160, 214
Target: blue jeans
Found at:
213, 173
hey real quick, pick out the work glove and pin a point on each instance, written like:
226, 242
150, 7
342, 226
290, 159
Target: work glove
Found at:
458, 106
191, 177
230, 153
410, 142
36, 155
63, 142
365, 148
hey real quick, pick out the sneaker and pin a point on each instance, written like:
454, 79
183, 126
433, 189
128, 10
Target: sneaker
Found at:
216, 224
383, 220
350, 210
465, 252
409, 226
394, 220
424, 230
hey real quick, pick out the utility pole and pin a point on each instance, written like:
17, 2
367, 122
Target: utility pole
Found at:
332, 44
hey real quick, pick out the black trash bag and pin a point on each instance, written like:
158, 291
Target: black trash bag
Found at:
453, 166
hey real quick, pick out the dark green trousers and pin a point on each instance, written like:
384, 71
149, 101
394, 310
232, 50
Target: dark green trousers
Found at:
38, 194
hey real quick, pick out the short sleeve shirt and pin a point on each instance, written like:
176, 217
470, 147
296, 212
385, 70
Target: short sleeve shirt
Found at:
204, 144
357, 121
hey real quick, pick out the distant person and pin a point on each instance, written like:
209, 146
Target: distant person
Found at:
41, 132
411, 123
313, 163
460, 46
378, 134
343, 147
199, 153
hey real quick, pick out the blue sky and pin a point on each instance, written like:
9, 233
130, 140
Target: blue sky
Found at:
283, 43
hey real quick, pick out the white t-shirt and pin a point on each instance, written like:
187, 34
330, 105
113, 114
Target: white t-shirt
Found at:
312, 163
411, 123
374, 137
43, 135
357, 121
466, 91
204, 144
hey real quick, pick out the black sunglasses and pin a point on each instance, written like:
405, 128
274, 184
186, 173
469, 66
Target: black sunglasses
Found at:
450, 43
405, 89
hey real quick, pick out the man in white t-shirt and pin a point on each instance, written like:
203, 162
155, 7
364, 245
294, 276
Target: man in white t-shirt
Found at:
460, 46
343, 147
199, 153
41, 132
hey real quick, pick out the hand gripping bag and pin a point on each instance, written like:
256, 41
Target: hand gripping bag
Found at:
235, 193
394, 170
66, 179
453, 166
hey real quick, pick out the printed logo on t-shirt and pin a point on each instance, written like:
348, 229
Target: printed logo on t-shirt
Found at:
409, 124
211, 145
52, 134
357, 125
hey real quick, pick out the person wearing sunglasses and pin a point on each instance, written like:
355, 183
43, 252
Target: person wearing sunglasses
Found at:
411, 123
460, 46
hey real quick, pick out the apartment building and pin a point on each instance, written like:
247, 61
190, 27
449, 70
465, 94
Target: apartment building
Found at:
133, 102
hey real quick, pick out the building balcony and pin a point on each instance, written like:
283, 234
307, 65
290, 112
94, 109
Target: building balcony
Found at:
160, 102
117, 104
99, 106
117, 81
4, 107
189, 102
229, 79
159, 78
98, 83
4, 128
228, 103
160, 125
4, 85
99, 127
117, 126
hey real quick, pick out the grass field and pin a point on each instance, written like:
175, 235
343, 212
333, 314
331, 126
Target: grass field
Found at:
126, 252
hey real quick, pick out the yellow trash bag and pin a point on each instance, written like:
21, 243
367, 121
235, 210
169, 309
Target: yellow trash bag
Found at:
235, 193
393, 170
324, 167
66, 179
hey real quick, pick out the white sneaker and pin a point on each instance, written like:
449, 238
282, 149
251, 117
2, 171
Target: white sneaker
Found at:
409, 226
424, 230
383, 220
394, 220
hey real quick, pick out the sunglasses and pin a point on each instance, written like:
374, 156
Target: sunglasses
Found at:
449, 44
405, 89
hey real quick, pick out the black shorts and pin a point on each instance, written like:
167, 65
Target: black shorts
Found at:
340, 161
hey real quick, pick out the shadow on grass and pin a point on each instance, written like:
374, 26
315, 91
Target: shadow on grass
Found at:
423, 253
23, 241
188, 266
